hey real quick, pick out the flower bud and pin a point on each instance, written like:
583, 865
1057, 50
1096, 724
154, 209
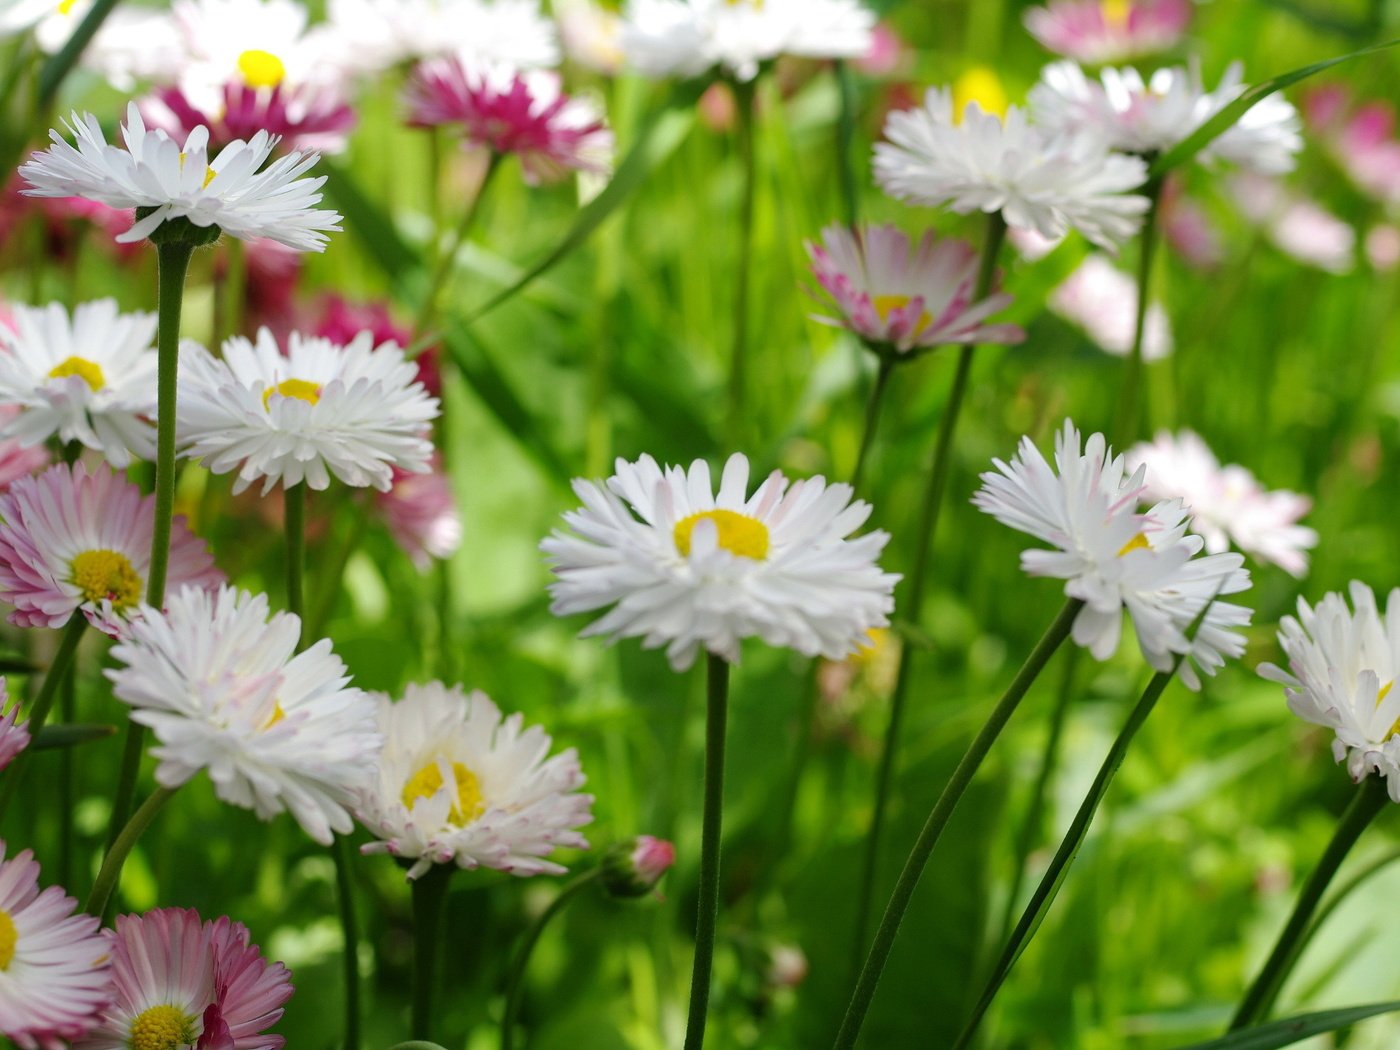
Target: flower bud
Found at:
632, 867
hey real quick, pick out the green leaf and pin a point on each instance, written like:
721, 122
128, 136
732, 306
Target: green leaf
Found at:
1227, 117
13, 663
60, 65
70, 735
370, 223
416, 1044
1295, 1029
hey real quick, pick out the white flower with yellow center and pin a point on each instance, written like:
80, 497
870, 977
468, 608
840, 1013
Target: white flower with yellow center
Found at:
164, 181
355, 411
688, 569
89, 378
133, 43
379, 34
223, 688
457, 783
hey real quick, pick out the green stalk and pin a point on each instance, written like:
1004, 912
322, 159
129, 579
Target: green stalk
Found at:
845, 142
67, 709
111, 871
716, 714
428, 311
1369, 800
429, 896
938, 818
294, 519
1129, 402
349, 929
743, 268
59, 669
515, 986
872, 416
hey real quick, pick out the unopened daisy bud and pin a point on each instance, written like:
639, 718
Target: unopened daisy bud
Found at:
634, 867
14, 734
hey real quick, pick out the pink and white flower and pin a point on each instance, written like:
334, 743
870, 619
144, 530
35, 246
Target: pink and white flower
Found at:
1360, 137
309, 117
14, 734
634, 867
420, 512
17, 461
1101, 31
1102, 300
1299, 227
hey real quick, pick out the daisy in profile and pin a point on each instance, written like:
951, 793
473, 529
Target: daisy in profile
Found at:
686, 568
14, 734
459, 784
55, 963
355, 411
221, 685
164, 180
1036, 178
379, 34
1100, 31
1227, 504
902, 297
89, 377
1342, 666
1102, 300
72, 540
177, 981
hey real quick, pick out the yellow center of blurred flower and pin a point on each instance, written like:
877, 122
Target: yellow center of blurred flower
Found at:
277, 715
757, 5
979, 84
261, 69
1116, 12
108, 574
9, 937
301, 389
161, 1028
876, 640
66, 7
89, 371
427, 782
888, 304
738, 533
1137, 543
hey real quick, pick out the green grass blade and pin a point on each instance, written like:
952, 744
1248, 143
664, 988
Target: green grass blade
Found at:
1295, 1029
52, 75
56, 737
371, 223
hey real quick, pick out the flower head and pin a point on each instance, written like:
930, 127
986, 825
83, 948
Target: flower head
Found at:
1101, 299
892, 295
457, 783
420, 512
180, 982
1360, 137
355, 411
1099, 31
79, 541
54, 963
223, 688
1036, 178
14, 734
166, 181
305, 118
341, 320
686, 568
634, 867
378, 34
16, 459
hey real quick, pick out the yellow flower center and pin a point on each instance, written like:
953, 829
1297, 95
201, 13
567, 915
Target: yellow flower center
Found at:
1380, 698
301, 389
979, 84
278, 713
209, 172
9, 938
427, 782
757, 5
89, 371
1137, 543
738, 533
108, 574
1116, 12
876, 640
162, 1028
261, 69
65, 7
888, 304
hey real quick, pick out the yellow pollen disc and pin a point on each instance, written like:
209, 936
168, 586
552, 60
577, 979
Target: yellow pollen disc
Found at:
301, 389
979, 84
161, 1028
108, 574
277, 715
1380, 698
1116, 12
876, 640
66, 7
427, 782
888, 304
89, 371
1137, 543
738, 533
261, 69
9, 937
757, 5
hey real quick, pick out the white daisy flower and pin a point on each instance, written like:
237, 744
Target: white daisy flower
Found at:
1036, 178
164, 181
1102, 300
16, 16
1342, 667
133, 43
355, 411
685, 568
222, 687
379, 34
457, 783
90, 378
687, 37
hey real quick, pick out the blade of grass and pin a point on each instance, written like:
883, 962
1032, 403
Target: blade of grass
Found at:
1295, 1029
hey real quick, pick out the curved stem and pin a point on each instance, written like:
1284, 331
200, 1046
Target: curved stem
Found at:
294, 524
429, 895
743, 269
716, 715
1369, 800
515, 986
1129, 402
427, 313
872, 417
111, 871
938, 819
349, 929
60, 668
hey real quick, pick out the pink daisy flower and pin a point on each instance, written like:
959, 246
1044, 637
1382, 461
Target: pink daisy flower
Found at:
16, 461
14, 735
54, 963
512, 111
421, 515
1098, 32
177, 982
1361, 138
76, 541
307, 117
906, 299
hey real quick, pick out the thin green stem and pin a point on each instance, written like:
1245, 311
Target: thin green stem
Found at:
515, 984
716, 715
429, 896
173, 262
110, 873
743, 268
349, 929
1130, 400
68, 710
294, 522
333, 575
872, 417
60, 668
1369, 800
938, 819
845, 142
437, 284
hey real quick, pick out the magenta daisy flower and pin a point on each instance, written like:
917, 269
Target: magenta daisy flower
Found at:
893, 296
73, 540
14, 735
1097, 32
53, 964
177, 981
511, 111
307, 117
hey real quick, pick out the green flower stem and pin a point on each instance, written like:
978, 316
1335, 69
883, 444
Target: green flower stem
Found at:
68, 711
294, 520
716, 715
429, 898
173, 262
349, 928
101, 896
872, 416
938, 818
1129, 402
913, 602
437, 284
60, 668
1369, 800
333, 575
515, 986
845, 142
743, 269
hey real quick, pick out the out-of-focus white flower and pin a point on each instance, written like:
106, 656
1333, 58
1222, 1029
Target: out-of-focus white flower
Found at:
1298, 227
591, 34
1102, 300
1099, 31
133, 43
378, 34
